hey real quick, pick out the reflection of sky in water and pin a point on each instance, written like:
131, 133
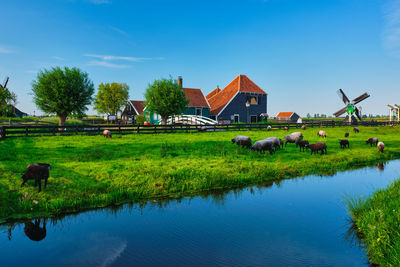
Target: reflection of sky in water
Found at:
299, 222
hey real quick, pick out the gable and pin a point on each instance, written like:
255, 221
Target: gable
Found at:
196, 97
241, 83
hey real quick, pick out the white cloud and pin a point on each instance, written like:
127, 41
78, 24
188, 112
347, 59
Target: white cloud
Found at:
391, 30
4, 50
109, 57
118, 30
107, 64
58, 58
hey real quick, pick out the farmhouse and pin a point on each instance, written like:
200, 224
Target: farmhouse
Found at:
240, 101
198, 104
132, 110
287, 116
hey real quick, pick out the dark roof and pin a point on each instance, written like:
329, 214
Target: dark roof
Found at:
138, 105
17, 112
196, 97
241, 83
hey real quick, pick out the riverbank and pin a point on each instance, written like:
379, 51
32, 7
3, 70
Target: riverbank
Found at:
91, 171
377, 223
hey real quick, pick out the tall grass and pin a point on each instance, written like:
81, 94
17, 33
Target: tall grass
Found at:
92, 171
377, 223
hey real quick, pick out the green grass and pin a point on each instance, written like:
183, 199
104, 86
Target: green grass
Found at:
376, 221
91, 171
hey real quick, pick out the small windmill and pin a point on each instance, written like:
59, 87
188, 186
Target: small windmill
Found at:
4, 83
350, 107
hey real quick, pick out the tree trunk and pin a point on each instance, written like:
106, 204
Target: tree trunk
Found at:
164, 120
61, 119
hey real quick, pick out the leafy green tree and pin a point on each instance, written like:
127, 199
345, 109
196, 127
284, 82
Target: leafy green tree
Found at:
7, 98
63, 92
111, 98
165, 98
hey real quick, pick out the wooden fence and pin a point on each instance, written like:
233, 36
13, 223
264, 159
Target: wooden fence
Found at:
50, 130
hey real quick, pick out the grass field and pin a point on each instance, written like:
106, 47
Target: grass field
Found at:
91, 171
377, 223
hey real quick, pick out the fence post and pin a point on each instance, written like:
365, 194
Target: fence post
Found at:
98, 130
2, 132
138, 129
26, 131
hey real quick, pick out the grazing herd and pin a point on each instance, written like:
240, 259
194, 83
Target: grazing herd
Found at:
272, 144
40, 171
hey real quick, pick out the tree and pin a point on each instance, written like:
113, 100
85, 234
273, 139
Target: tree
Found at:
165, 98
111, 98
7, 99
63, 92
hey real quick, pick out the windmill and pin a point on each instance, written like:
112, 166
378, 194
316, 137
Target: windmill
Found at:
4, 83
350, 107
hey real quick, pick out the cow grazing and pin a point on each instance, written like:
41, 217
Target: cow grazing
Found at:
304, 127
263, 145
381, 146
321, 134
242, 140
346, 135
373, 140
269, 128
107, 134
320, 146
344, 143
286, 128
37, 172
356, 130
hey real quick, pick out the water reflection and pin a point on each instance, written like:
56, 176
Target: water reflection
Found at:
381, 166
34, 231
296, 222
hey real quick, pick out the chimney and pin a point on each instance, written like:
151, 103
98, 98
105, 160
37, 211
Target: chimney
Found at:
180, 81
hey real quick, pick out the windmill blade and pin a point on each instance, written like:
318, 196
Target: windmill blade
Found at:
5, 82
357, 112
341, 94
390, 106
340, 112
360, 98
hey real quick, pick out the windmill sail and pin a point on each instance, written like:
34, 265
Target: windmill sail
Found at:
345, 99
357, 112
340, 112
360, 98
5, 82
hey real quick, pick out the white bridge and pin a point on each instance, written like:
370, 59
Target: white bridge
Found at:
190, 119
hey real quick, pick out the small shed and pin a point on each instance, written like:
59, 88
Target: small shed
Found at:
131, 110
287, 117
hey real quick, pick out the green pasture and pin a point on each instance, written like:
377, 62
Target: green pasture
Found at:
376, 221
92, 171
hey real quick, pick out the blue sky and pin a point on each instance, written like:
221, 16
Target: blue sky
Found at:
300, 52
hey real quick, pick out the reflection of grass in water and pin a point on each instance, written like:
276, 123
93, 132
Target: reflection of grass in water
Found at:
91, 171
377, 223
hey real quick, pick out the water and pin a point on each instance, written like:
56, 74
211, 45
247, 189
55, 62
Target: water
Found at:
298, 222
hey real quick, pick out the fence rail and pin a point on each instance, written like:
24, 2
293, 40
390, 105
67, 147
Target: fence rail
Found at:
50, 130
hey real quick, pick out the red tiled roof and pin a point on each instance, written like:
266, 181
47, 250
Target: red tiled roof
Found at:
284, 114
241, 83
196, 97
139, 105
213, 93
